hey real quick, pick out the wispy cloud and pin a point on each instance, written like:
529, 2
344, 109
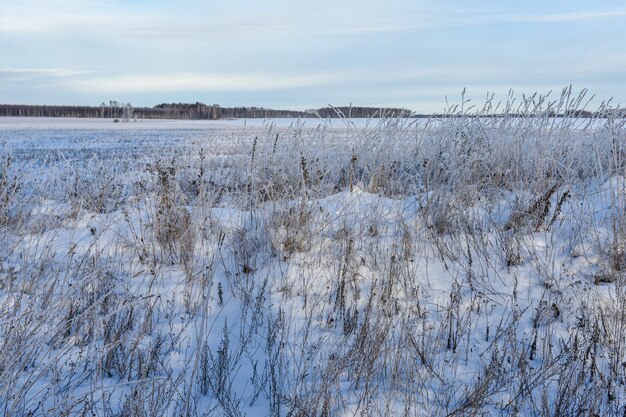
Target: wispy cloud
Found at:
156, 22
200, 82
468, 18
24, 74
566, 17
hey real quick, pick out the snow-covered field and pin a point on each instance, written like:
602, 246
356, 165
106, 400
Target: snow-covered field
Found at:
472, 266
69, 123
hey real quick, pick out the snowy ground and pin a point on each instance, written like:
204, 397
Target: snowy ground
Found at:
46, 123
475, 267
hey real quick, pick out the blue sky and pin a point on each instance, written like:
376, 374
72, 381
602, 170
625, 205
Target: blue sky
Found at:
288, 54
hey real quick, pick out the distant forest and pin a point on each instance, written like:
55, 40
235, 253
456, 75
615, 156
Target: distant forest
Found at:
191, 111
201, 111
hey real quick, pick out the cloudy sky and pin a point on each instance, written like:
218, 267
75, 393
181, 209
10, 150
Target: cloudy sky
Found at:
290, 54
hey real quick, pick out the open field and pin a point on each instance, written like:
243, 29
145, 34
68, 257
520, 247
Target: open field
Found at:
463, 266
68, 123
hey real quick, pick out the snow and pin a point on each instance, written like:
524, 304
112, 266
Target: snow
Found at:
69, 123
305, 270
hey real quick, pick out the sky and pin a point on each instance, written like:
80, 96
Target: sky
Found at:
299, 55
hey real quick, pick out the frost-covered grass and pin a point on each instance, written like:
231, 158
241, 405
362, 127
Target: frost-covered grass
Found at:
463, 266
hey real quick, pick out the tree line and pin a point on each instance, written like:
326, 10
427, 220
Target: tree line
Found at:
192, 111
200, 111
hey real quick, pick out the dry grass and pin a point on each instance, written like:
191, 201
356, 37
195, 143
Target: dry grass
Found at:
406, 269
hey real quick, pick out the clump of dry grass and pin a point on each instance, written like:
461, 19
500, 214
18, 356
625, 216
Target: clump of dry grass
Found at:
289, 229
10, 187
172, 225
